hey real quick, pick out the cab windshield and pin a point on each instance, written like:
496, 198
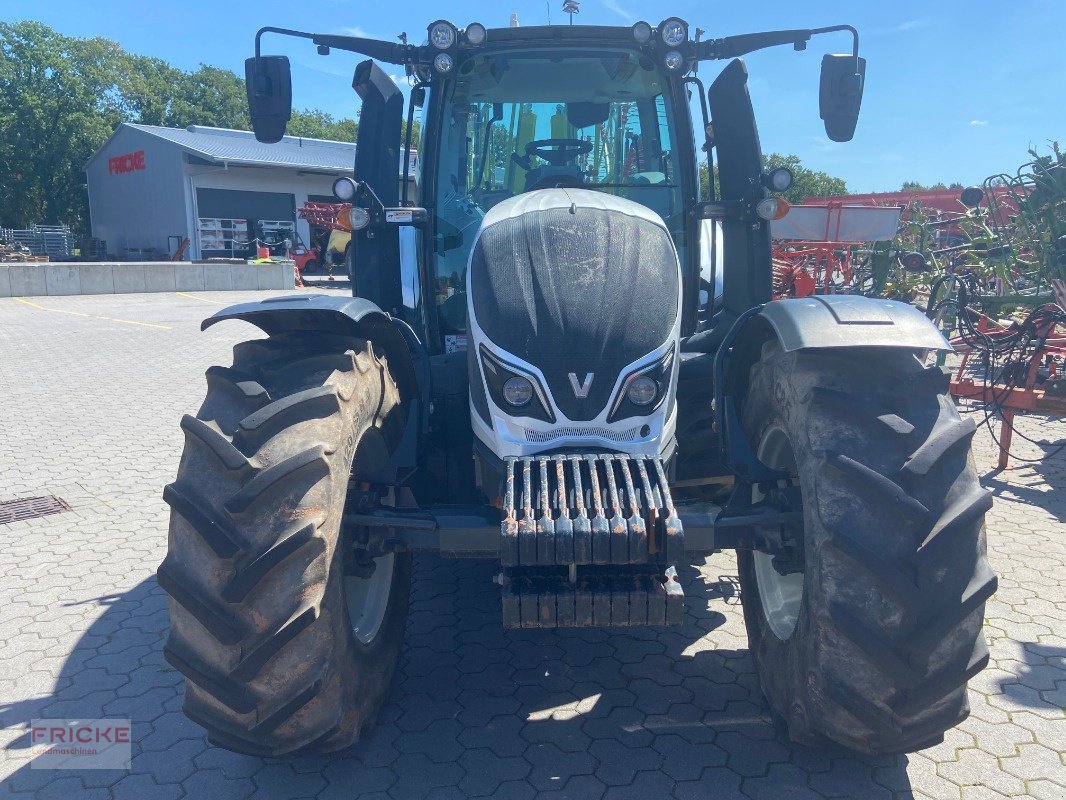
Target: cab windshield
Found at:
517, 122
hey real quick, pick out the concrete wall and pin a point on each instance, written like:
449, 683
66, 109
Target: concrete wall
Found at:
40, 280
141, 207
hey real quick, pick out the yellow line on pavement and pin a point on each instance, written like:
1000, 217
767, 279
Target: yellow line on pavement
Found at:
201, 299
135, 322
57, 310
93, 316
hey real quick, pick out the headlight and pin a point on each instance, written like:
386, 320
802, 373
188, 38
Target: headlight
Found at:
442, 35
642, 390
673, 32
358, 217
518, 394
344, 189
642, 32
476, 33
443, 63
673, 60
779, 180
517, 391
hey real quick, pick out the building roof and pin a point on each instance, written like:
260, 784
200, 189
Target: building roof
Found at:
224, 145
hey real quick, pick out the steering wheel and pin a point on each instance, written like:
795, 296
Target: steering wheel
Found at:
564, 150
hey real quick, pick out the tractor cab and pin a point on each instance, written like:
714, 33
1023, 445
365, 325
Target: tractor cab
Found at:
525, 119
506, 111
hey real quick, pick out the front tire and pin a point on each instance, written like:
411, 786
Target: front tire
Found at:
287, 638
872, 644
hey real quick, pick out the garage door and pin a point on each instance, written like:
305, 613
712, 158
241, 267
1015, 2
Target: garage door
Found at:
230, 204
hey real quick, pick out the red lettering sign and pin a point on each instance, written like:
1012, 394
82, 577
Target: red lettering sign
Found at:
118, 165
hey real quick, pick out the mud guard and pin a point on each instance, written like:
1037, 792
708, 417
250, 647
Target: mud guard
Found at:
350, 316
818, 322
851, 321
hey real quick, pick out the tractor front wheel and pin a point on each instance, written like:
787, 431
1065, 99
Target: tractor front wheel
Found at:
286, 631
867, 634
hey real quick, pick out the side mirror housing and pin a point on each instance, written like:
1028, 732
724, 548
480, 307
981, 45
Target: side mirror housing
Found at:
268, 81
840, 94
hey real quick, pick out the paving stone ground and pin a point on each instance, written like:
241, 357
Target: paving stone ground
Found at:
90, 405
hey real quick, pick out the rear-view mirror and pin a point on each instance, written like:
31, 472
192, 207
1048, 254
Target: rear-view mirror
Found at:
585, 115
840, 94
269, 85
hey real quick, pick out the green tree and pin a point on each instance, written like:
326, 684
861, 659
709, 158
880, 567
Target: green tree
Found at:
148, 89
209, 96
321, 125
806, 182
915, 186
60, 98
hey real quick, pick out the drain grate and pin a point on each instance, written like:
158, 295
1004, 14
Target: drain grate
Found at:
30, 508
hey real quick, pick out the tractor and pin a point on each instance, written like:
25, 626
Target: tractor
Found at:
561, 354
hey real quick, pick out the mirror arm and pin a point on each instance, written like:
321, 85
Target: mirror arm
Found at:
389, 52
382, 216
733, 46
283, 31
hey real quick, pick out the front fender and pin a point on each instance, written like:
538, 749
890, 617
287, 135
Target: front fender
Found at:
352, 316
821, 321
850, 321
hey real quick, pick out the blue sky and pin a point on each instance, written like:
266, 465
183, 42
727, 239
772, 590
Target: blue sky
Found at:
956, 89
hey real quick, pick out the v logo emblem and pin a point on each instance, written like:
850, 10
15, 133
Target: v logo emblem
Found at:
581, 390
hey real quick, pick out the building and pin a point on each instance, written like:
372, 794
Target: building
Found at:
151, 187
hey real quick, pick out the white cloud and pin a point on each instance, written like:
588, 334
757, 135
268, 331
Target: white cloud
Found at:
978, 122
326, 67
903, 27
616, 7
356, 31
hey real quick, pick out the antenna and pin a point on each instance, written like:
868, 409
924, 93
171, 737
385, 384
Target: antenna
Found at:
571, 7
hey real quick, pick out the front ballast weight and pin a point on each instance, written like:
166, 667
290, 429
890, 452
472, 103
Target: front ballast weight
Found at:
589, 539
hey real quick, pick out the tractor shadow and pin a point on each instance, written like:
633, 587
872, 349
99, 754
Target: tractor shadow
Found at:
474, 709
322, 281
1040, 682
1037, 482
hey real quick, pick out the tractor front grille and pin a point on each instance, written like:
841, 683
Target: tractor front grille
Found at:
539, 437
599, 508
